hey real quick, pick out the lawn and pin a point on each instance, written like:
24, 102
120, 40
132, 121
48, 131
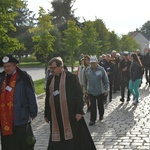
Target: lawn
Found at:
39, 86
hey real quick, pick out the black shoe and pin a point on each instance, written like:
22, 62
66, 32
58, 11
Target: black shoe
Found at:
121, 99
101, 118
91, 123
128, 99
88, 110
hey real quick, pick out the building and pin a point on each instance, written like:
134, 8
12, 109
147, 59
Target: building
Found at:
141, 39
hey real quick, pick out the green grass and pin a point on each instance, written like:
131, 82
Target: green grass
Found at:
31, 64
39, 86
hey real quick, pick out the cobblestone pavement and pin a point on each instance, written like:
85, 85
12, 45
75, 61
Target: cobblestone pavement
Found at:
125, 126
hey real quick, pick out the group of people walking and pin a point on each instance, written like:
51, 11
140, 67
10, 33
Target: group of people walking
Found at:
66, 94
113, 72
63, 108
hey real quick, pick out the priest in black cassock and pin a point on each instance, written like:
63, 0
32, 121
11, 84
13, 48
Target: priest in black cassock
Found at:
64, 110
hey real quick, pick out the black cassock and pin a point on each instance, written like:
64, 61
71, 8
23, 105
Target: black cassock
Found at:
82, 139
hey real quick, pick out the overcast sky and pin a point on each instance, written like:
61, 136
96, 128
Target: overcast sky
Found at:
122, 16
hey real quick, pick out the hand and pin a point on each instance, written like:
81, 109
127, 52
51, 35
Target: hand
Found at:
78, 117
46, 120
105, 93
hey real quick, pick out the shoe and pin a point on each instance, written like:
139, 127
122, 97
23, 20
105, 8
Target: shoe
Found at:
101, 118
91, 123
128, 99
135, 102
88, 110
146, 82
121, 99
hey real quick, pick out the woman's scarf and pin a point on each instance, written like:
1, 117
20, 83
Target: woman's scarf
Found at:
64, 110
7, 104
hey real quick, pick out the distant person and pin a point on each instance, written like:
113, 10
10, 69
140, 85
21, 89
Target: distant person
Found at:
110, 69
135, 77
18, 105
64, 110
146, 63
124, 70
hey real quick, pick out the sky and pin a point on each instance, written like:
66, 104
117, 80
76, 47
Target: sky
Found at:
121, 16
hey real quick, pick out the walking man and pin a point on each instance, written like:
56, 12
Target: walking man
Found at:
18, 105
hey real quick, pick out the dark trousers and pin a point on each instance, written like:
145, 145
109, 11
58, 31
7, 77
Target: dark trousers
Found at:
16, 141
110, 89
124, 84
147, 74
100, 103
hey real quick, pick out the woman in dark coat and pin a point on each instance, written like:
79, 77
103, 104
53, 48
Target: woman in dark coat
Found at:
135, 77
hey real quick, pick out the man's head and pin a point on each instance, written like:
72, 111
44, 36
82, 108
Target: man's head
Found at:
56, 65
108, 57
126, 55
9, 64
113, 53
93, 61
137, 51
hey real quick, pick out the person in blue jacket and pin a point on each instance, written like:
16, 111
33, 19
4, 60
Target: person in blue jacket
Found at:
18, 105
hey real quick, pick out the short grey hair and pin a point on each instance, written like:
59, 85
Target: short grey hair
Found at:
57, 60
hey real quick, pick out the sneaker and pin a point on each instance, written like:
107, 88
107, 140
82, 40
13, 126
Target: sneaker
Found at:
128, 99
101, 118
91, 123
88, 110
121, 99
135, 102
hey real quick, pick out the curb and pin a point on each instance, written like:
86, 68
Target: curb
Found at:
40, 95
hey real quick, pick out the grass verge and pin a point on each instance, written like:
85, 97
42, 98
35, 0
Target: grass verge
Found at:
39, 86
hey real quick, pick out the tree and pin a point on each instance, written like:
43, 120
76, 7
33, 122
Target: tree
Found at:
114, 41
62, 11
42, 38
72, 40
8, 44
145, 30
103, 36
90, 42
128, 43
23, 21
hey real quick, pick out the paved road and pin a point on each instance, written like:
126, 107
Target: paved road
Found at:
125, 126
36, 73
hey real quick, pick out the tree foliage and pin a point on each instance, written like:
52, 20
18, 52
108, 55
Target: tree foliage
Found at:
62, 11
90, 42
42, 38
145, 30
22, 22
72, 39
8, 44
128, 43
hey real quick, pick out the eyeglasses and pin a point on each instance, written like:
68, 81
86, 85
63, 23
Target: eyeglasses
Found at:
53, 68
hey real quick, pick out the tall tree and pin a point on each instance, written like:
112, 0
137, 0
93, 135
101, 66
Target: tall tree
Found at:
23, 21
42, 37
62, 11
103, 35
114, 41
72, 40
145, 30
90, 42
8, 44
